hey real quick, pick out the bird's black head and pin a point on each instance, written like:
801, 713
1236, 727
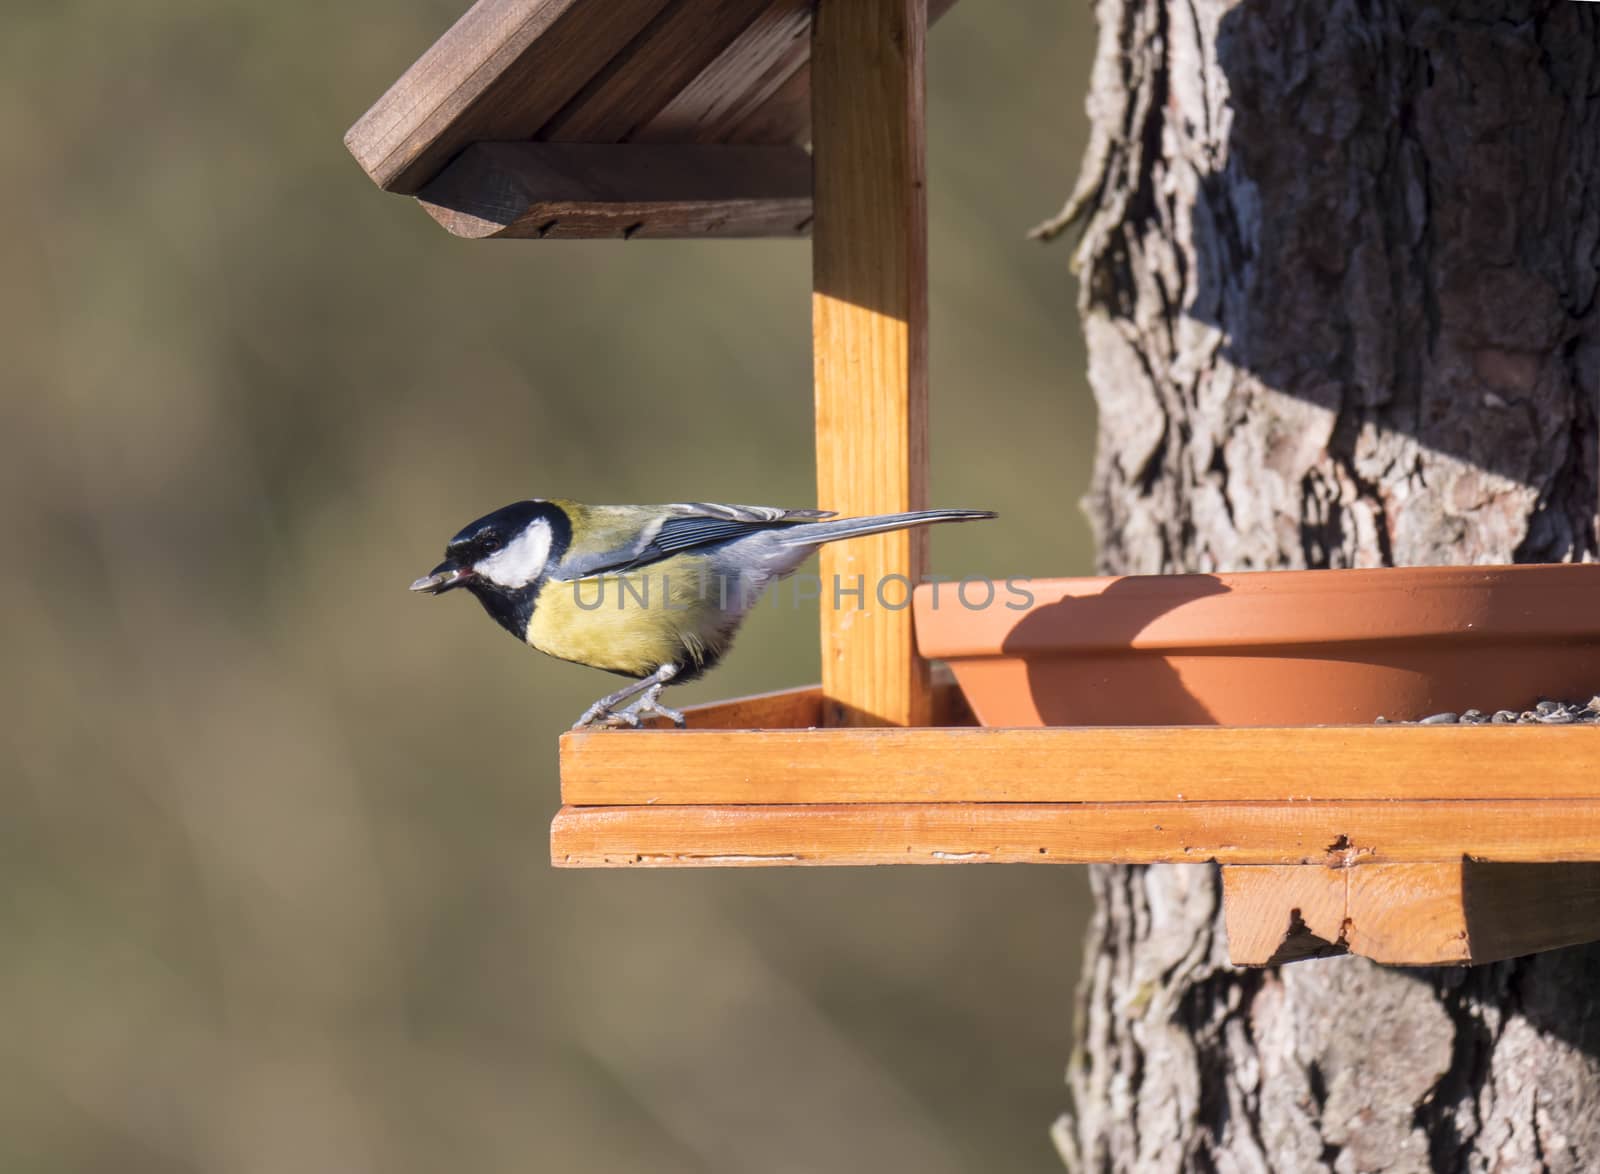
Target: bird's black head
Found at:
502, 559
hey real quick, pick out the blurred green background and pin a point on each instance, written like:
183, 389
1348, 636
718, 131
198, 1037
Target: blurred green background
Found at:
276, 892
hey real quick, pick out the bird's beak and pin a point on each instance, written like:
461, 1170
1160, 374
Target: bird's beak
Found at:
442, 578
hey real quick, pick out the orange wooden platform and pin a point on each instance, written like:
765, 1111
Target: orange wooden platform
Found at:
738, 788
1412, 845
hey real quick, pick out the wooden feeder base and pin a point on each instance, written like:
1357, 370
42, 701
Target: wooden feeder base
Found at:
1429, 914
1412, 845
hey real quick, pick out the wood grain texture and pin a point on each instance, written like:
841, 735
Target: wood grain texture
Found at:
500, 73
759, 91
741, 78
1287, 913
782, 709
1513, 910
870, 335
1414, 914
784, 116
684, 40
565, 190
801, 708
1088, 764
1321, 833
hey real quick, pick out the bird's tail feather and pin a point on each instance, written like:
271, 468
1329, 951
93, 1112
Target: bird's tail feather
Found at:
816, 533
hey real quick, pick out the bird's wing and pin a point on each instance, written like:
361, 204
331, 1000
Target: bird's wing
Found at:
636, 536
753, 514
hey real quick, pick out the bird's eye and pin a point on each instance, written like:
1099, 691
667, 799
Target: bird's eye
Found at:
475, 548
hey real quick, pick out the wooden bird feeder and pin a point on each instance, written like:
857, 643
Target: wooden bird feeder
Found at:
686, 118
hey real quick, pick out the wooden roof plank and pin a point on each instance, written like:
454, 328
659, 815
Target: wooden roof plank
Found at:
584, 190
748, 72
785, 115
684, 40
1322, 833
501, 72
1080, 764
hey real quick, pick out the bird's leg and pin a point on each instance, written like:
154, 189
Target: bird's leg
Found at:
650, 703
605, 710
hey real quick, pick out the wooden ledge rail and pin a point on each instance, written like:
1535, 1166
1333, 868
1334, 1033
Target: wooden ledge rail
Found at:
1345, 834
588, 191
783, 709
1147, 764
1427, 914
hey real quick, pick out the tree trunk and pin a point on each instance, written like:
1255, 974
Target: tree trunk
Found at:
1339, 270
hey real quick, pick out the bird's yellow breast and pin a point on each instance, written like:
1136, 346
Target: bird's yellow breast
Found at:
633, 623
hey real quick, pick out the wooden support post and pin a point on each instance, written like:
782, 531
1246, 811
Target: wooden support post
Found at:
870, 327
1430, 914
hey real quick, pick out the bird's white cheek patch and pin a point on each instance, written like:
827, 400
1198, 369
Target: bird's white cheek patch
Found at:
521, 560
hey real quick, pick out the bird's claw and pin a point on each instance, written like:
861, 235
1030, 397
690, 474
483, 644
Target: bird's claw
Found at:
650, 704
629, 718
606, 719
598, 717
653, 707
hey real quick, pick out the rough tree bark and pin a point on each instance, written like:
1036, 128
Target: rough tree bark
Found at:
1339, 266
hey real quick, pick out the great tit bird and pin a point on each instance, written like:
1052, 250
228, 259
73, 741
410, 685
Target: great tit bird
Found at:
651, 592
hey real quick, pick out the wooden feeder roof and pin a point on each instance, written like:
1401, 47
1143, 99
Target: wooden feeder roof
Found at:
605, 118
